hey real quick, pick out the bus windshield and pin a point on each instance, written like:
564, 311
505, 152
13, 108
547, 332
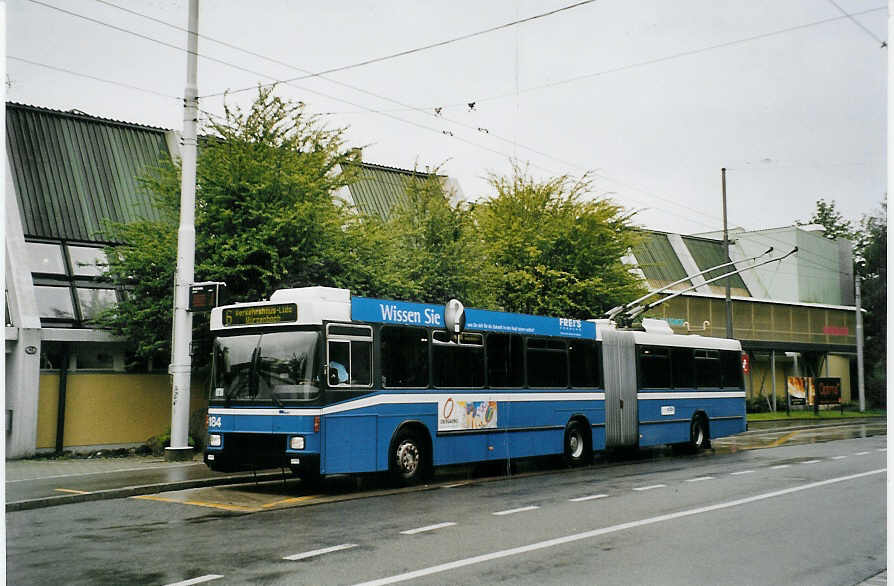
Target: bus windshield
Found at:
273, 367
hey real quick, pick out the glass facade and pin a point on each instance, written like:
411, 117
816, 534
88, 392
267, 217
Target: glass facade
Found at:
68, 283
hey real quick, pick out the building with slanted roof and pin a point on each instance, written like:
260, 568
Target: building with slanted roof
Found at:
67, 385
794, 317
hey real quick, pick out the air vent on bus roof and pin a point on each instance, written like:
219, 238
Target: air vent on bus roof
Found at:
331, 294
656, 326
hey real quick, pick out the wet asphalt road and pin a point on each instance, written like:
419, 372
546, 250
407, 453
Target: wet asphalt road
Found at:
800, 513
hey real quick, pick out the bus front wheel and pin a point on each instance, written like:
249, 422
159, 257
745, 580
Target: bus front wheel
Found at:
409, 461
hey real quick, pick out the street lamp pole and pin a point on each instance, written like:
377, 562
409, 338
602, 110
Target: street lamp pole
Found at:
729, 303
181, 361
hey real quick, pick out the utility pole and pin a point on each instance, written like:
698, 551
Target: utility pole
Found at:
181, 361
860, 372
729, 303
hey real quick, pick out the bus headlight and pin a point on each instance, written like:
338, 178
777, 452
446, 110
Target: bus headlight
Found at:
296, 442
214, 440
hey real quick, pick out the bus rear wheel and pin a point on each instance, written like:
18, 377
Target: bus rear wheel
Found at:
698, 434
578, 447
409, 459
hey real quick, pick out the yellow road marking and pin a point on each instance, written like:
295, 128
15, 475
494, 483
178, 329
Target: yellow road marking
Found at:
239, 508
296, 499
783, 439
72, 491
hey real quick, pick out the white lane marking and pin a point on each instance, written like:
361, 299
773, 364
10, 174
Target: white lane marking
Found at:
427, 528
651, 487
581, 499
165, 467
199, 580
700, 478
811, 461
881, 449
606, 530
455, 485
316, 552
518, 510
740, 472
780, 466
839, 457
861, 453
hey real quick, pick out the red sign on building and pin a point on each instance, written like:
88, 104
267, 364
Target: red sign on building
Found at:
836, 330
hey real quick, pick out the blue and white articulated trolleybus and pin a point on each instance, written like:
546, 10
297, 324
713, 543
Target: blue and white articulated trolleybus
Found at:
324, 382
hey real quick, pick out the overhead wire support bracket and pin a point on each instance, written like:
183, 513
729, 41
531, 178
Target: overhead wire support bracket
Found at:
639, 310
611, 313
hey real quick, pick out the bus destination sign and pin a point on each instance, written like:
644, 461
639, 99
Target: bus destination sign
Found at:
260, 315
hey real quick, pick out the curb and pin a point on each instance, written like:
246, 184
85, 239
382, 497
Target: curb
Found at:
756, 426
129, 491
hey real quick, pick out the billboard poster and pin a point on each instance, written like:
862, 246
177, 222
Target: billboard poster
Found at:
828, 390
800, 389
458, 413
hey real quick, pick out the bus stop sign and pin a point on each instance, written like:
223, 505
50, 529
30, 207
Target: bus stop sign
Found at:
204, 297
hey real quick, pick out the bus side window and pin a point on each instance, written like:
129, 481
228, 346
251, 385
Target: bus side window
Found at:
404, 357
547, 363
585, 359
457, 363
683, 368
505, 361
349, 355
707, 368
654, 368
731, 361
339, 363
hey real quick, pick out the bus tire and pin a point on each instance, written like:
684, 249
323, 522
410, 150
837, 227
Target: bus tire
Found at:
698, 434
578, 444
408, 459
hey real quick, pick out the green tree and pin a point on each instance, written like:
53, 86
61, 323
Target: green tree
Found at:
265, 218
429, 248
834, 222
872, 267
556, 248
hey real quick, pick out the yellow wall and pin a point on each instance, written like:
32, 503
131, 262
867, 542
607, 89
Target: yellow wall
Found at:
839, 366
109, 408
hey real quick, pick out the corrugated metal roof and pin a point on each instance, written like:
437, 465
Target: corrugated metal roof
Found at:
710, 253
379, 188
71, 171
658, 261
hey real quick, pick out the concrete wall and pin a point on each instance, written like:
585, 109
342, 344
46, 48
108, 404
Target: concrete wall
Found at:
108, 409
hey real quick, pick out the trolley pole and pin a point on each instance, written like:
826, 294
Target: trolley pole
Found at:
729, 303
181, 361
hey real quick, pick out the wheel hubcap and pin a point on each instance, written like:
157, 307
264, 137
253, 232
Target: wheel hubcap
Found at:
575, 445
408, 458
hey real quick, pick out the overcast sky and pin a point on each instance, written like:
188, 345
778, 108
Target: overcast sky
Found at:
653, 96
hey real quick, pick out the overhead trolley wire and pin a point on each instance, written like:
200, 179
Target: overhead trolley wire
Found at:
372, 110
93, 77
422, 126
433, 45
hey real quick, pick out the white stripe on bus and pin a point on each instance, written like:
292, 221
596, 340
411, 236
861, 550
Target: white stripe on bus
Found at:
409, 398
416, 398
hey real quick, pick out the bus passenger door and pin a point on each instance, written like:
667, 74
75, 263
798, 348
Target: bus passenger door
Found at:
621, 417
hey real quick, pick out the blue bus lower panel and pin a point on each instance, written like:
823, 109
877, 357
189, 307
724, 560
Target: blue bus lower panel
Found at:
668, 420
356, 440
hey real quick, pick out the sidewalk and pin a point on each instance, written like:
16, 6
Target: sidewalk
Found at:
38, 483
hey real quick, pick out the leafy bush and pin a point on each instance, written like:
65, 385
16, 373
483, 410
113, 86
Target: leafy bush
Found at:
756, 405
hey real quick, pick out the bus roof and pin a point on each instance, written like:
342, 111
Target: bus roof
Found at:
315, 305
